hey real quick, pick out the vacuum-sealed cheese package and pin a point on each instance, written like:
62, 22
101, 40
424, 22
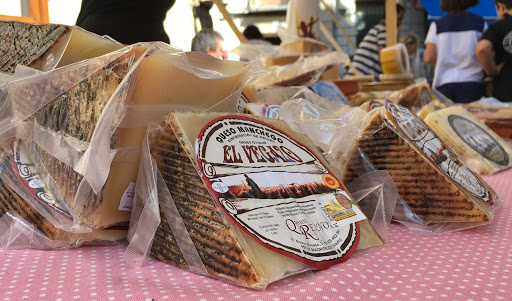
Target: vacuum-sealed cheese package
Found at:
438, 192
241, 198
80, 127
57, 130
303, 72
48, 46
477, 145
413, 97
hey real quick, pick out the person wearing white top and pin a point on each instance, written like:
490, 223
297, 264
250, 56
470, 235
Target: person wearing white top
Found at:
451, 42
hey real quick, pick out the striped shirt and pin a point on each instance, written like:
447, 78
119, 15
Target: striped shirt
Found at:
366, 60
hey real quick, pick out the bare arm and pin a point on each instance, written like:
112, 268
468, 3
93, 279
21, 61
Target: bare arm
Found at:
485, 55
431, 54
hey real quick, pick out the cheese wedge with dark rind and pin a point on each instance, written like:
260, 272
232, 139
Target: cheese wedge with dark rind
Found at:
29, 44
75, 115
10, 201
225, 251
428, 193
49, 46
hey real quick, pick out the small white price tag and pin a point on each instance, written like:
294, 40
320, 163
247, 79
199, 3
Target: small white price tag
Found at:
127, 199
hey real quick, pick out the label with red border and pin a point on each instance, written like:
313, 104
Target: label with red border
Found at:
436, 151
276, 190
25, 165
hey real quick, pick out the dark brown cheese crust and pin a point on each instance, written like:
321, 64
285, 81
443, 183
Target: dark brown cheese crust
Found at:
429, 194
215, 242
76, 114
25, 43
11, 201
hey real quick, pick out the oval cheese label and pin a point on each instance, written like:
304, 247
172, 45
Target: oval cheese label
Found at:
24, 165
276, 190
270, 111
434, 149
478, 139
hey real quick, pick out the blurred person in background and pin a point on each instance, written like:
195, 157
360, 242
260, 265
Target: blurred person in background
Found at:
494, 51
451, 43
209, 41
418, 66
254, 36
127, 21
367, 57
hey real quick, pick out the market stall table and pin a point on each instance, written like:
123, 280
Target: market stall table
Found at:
474, 264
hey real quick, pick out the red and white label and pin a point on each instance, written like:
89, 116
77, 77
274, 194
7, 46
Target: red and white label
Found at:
277, 191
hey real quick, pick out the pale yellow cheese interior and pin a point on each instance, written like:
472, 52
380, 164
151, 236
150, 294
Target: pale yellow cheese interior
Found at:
438, 122
429, 108
84, 45
160, 81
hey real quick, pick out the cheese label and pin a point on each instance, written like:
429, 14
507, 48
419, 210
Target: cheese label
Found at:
242, 102
126, 203
436, 151
25, 165
374, 104
330, 91
270, 111
478, 139
277, 191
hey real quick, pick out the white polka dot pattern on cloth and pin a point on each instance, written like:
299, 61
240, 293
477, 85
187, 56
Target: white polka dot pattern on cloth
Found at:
474, 264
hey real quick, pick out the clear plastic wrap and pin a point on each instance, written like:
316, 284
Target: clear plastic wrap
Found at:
333, 128
303, 72
438, 192
375, 192
195, 216
270, 100
329, 125
256, 52
330, 91
77, 128
18, 233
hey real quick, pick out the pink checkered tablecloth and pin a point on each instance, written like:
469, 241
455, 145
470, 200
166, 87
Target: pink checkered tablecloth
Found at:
468, 265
